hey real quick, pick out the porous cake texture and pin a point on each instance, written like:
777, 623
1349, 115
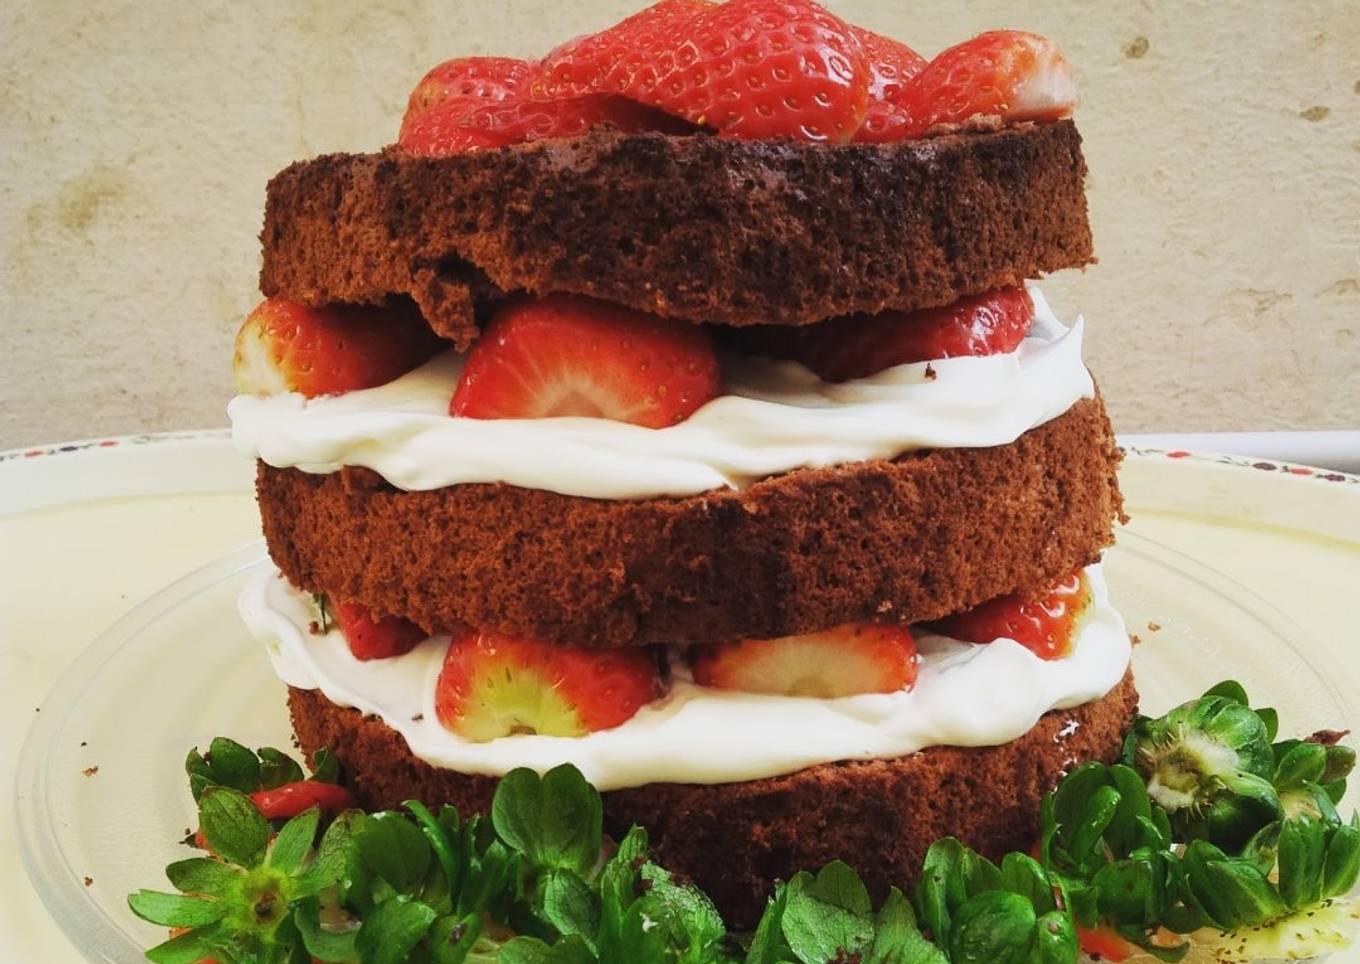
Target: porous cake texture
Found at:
698, 228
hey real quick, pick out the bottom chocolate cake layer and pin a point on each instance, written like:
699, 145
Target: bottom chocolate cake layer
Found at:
909, 540
735, 839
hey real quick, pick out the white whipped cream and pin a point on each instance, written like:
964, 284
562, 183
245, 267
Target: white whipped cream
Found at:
965, 695
776, 416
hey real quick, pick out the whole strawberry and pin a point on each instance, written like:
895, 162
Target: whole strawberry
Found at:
745, 68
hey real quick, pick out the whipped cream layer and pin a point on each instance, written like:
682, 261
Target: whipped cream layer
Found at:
775, 416
966, 695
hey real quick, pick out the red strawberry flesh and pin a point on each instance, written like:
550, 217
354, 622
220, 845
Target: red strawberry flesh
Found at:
843, 661
376, 638
284, 346
1047, 626
467, 79
463, 124
1007, 75
746, 68
567, 355
493, 685
861, 345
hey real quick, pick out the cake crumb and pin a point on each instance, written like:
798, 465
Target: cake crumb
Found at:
314, 628
931, 374
89, 881
83, 743
1154, 627
1135, 638
90, 771
1327, 737
418, 717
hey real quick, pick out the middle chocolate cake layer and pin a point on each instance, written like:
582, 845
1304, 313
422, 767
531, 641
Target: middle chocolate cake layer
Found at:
908, 540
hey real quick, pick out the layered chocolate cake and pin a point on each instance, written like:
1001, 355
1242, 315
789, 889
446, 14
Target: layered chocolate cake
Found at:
679, 407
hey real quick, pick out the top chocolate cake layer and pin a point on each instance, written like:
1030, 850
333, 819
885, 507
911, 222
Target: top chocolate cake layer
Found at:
700, 228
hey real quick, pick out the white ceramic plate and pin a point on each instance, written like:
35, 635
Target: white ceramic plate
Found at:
180, 669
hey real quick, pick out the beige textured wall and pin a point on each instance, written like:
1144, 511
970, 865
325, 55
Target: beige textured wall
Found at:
136, 139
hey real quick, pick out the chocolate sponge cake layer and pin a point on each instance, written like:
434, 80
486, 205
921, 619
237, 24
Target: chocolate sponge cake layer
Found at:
700, 228
916, 538
736, 839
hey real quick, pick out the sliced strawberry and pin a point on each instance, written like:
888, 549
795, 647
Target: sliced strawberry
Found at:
1009, 75
493, 685
613, 59
745, 68
571, 355
1047, 626
287, 347
860, 345
890, 63
468, 79
465, 124
379, 638
843, 661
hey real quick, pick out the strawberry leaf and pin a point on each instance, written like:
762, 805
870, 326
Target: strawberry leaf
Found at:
203, 875
391, 847
294, 841
328, 865
232, 826
325, 766
554, 821
828, 916
571, 906
234, 765
439, 840
277, 768
393, 930
175, 910
1301, 764
995, 926
1341, 866
897, 940
322, 943
690, 921
452, 938
1229, 689
767, 944
190, 948
531, 950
